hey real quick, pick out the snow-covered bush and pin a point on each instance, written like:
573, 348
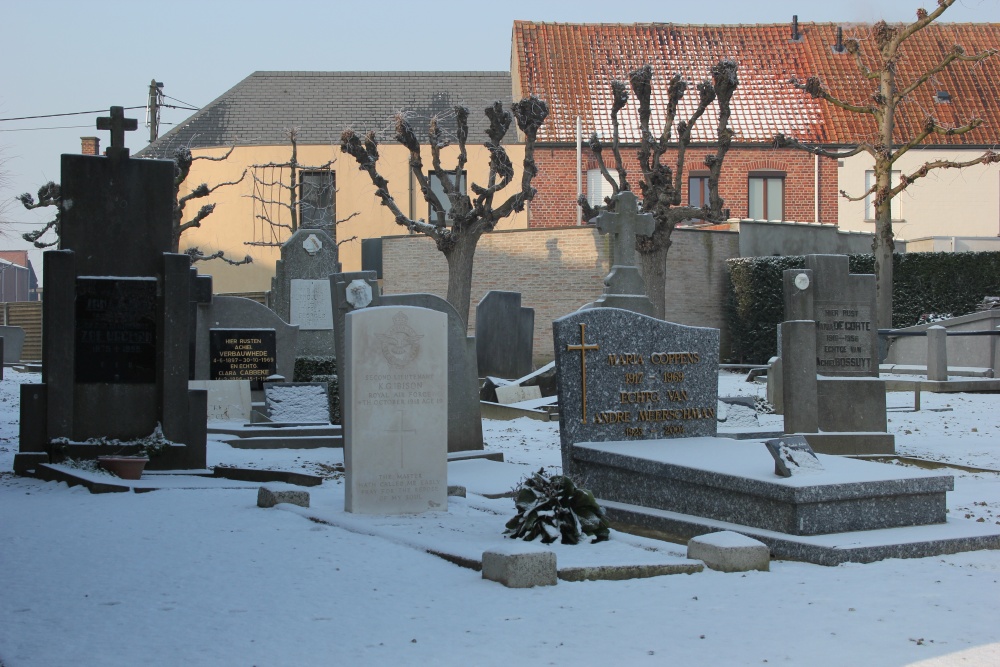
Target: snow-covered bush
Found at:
552, 507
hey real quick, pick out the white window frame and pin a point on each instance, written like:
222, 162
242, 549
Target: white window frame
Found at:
768, 180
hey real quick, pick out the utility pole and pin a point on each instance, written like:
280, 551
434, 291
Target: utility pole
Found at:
153, 109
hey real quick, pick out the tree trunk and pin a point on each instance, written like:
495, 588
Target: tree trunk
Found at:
882, 247
653, 263
882, 244
460, 256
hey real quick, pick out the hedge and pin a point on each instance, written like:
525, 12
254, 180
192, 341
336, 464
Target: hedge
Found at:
924, 283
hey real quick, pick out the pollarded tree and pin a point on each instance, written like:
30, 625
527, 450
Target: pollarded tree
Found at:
660, 184
457, 232
880, 67
183, 161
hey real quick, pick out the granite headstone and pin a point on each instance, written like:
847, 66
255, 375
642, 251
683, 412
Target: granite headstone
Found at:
504, 335
117, 312
301, 291
626, 376
352, 292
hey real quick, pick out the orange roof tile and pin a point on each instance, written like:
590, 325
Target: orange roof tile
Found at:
571, 66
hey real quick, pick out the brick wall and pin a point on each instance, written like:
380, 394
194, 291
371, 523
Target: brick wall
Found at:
558, 270
554, 205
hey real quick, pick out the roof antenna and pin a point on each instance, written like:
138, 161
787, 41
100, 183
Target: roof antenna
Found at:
795, 28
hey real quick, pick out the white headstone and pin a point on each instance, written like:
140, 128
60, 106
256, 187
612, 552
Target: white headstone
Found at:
310, 305
516, 394
396, 410
228, 400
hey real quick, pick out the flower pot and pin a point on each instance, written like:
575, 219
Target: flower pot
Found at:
126, 467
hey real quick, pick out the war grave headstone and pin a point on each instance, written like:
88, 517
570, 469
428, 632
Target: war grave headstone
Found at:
301, 288
505, 334
355, 291
638, 401
116, 341
831, 392
624, 286
395, 410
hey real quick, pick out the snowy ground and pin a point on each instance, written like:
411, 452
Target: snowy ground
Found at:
204, 577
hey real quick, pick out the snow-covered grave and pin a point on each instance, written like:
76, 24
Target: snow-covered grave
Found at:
289, 590
638, 421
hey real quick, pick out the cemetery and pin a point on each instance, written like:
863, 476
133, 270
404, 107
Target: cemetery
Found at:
354, 474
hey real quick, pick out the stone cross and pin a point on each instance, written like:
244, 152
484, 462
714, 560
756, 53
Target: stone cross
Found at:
119, 125
625, 223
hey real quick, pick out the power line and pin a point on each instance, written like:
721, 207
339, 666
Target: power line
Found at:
72, 113
54, 127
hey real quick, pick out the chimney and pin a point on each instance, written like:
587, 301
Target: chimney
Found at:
90, 145
839, 47
796, 35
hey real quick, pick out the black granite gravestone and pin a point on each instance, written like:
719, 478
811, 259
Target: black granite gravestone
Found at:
243, 354
117, 312
504, 335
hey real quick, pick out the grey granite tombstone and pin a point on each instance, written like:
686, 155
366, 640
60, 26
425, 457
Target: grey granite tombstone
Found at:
238, 315
504, 335
843, 306
625, 376
301, 291
937, 353
116, 341
355, 291
395, 413
624, 286
849, 414
13, 343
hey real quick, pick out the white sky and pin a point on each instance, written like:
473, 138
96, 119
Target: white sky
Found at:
62, 56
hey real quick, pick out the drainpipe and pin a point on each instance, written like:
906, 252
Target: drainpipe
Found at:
816, 188
579, 169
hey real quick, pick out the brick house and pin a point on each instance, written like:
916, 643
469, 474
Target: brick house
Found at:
572, 66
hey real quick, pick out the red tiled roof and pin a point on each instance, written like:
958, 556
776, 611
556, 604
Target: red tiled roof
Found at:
571, 66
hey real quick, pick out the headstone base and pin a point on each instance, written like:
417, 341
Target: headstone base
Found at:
725, 480
851, 443
24, 463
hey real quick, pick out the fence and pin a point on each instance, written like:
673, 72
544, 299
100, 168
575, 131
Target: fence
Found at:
28, 316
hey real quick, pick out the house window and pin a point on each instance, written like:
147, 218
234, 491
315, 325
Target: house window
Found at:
766, 196
438, 189
697, 194
317, 199
895, 207
597, 188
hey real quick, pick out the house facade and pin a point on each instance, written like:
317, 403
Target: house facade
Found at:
253, 216
572, 66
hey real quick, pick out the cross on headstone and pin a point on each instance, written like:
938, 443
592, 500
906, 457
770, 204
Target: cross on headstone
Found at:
583, 348
119, 125
399, 428
625, 223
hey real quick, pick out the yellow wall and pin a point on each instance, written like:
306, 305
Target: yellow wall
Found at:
232, 224
947, 202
